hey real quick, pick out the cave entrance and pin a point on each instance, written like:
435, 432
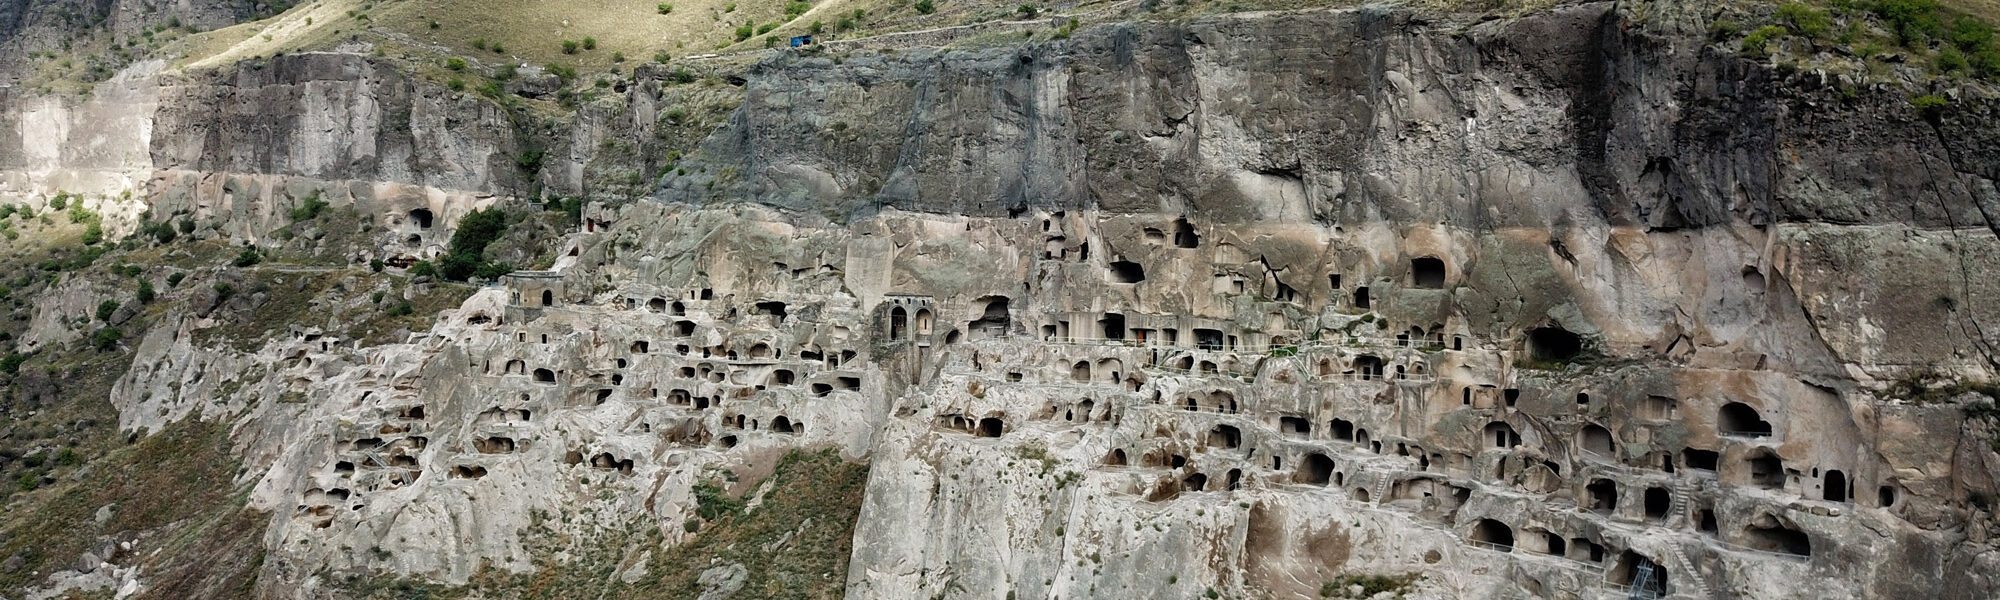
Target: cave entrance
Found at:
1553, 344
1427, 272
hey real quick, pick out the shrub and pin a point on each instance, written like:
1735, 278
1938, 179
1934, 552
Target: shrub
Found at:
456, 63
815, 28
223, 292
661, 57
618, 57
1951, 60
569, 46
507, 72
683, 75
1028, 11
186, 226
1805, 20
766, 28
164, 233
1913, 20
924, 7
93, 234
456, 84
666, 9
107, 309
843, 24
590, 43
434, 24
748, 29
145, 292
174, 280
479, 43
11, 364
1758, 42
248, 256
107, 338
795, 8
310, 209
499, 49
423, 268
60, 202
401, 309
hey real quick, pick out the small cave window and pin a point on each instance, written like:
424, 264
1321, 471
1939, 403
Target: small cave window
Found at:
657, 305
991, 427
548, 298
1361, 297
1125, 271
545, 376
1184, 235
422, 217
1427, 272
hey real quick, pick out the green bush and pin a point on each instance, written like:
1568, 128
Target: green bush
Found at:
816, 27
107, 338
1805, 20
1758, 42
423, 268
683, 75
748, 29
666, 9
569, 46
479, 43
456, 63
1913, 21
186, 226
375, 264
924, 7
796, 8
1950, 60
61, 201
590, 43
309, 209
174, 280
499, 49
456, 84
766, 28
248, 256
145, 292
11, 364
93, 234
401, 309
106, 309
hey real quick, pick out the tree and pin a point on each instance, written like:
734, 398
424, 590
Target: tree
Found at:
145, 292
106, 309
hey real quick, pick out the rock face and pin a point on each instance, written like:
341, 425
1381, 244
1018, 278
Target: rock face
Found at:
1566, 306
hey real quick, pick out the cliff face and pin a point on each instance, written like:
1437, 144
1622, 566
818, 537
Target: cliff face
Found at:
1570, 306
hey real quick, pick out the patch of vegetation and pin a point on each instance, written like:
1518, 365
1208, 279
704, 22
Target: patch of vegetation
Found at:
1369, 585
466, 256
794, 546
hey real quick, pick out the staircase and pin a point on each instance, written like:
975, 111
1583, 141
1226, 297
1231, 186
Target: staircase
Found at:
1381, 490
1692, 577
1677, 513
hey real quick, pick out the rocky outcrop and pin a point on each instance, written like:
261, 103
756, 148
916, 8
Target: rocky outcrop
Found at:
1573, 305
